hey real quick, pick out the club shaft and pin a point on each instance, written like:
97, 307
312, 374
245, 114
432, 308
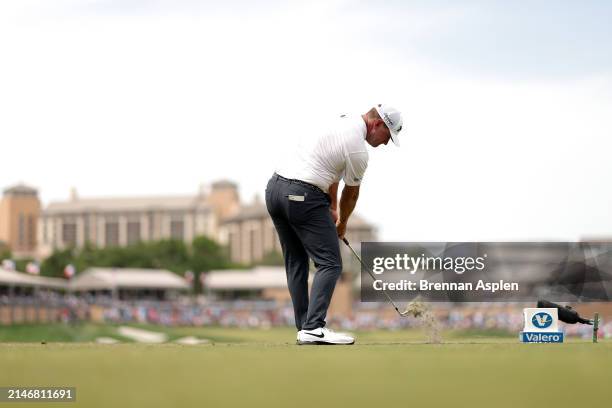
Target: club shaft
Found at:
371, 274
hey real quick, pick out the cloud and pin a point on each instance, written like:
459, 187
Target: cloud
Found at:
123, 98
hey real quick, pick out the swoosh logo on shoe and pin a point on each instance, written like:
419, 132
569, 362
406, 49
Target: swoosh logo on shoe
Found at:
317, 335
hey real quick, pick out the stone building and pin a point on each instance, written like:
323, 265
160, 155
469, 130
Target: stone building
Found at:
106, 222
250, 234
19, 212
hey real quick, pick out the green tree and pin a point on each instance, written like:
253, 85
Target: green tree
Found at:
56, 262
5, 251
207, 255
272, 258
202, 255
169, 254
20, 264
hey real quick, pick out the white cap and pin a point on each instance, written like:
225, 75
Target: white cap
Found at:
393, 119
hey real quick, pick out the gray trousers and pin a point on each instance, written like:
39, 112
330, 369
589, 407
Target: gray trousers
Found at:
306, 230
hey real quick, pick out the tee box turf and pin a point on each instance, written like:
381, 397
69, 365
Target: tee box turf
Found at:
541, 326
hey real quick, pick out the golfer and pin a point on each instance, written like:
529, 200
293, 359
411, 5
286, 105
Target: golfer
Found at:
301, 198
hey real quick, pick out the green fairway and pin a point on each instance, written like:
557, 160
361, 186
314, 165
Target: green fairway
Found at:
87, 332
262, 368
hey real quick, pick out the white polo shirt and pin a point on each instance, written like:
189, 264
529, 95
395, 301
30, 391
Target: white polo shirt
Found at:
324, 158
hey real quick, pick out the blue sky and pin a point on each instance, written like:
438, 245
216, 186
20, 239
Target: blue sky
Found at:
507, 105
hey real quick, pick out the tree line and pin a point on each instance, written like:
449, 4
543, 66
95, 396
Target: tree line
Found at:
200, 256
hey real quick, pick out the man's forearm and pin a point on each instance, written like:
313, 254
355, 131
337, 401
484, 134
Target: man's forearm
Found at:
333, 195
348, 200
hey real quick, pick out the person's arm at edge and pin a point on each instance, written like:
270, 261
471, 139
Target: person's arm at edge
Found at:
348, 200
333, 195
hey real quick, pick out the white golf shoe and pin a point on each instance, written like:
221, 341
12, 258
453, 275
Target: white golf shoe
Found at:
323, 335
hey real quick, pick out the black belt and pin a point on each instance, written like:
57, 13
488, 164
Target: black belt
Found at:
301, 183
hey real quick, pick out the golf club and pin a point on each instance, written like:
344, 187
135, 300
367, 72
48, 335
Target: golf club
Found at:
403, 314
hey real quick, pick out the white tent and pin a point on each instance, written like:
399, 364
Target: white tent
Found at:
127, 278
263, 277
13, 278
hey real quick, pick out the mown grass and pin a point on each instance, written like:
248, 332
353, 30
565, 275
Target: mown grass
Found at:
263, 368
285, 375
88, 332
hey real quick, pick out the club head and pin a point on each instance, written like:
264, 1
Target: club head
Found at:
405, 313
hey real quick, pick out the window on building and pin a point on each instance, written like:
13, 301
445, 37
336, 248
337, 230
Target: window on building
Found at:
176, 229
31, 231
111, 232
152, 226
21, 231
44, 230
233, 246
133, 232
69, 231
86, 228
252, 244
